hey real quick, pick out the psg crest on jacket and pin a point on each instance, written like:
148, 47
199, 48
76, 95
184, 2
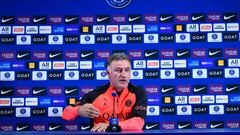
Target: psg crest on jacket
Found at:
118, 3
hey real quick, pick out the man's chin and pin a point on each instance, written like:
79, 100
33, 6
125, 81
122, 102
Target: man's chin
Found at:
122, 85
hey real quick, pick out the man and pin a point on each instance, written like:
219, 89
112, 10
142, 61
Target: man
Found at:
130, 101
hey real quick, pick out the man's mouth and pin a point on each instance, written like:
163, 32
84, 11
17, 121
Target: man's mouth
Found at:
123, 80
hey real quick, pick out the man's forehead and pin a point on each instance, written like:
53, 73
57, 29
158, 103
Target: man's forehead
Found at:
120, 64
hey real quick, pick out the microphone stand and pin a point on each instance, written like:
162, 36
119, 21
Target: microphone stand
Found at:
113, 123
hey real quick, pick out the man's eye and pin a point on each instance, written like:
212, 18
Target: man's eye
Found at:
118, 70
127, 70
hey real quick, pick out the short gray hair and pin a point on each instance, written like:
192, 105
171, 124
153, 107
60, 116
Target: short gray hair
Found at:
117, 56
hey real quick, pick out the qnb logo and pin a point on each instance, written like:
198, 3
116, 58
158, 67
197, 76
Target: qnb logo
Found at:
118, 3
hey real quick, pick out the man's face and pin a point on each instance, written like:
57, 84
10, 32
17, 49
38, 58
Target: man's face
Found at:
119, 73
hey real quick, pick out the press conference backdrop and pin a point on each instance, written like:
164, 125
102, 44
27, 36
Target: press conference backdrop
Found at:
185, 55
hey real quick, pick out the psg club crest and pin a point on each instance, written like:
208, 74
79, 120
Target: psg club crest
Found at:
118, 3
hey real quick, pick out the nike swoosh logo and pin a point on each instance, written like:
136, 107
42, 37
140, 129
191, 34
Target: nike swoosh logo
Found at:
183, 126
149, 127
213, 53
196, 18
84, 128
20, 56
133, 19
214, 126
165, 18
69, 20
5, 92
228, 17
230, 89
102, 19
199, 89
37, 91
85, 55
21, 128
52, 128
53, 55
6, 20
149, 54
166, 90
69, 91
38, 20
180, 54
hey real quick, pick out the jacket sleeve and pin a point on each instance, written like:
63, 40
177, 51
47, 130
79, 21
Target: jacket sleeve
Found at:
71, 111
139, 111
135, 123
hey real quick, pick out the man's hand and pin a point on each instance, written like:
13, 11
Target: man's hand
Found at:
88, 110
101, 127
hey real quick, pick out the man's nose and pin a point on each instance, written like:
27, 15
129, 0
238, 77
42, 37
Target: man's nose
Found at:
123, 74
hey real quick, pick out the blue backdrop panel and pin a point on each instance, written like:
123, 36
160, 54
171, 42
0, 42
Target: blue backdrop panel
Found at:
185, 54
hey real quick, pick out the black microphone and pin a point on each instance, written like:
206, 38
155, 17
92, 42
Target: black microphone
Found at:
113, 123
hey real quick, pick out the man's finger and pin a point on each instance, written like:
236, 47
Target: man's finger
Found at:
95, 113
93, 108
91, 114
100, 129
95, 128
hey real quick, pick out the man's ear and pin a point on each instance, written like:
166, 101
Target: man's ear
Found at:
107, 71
